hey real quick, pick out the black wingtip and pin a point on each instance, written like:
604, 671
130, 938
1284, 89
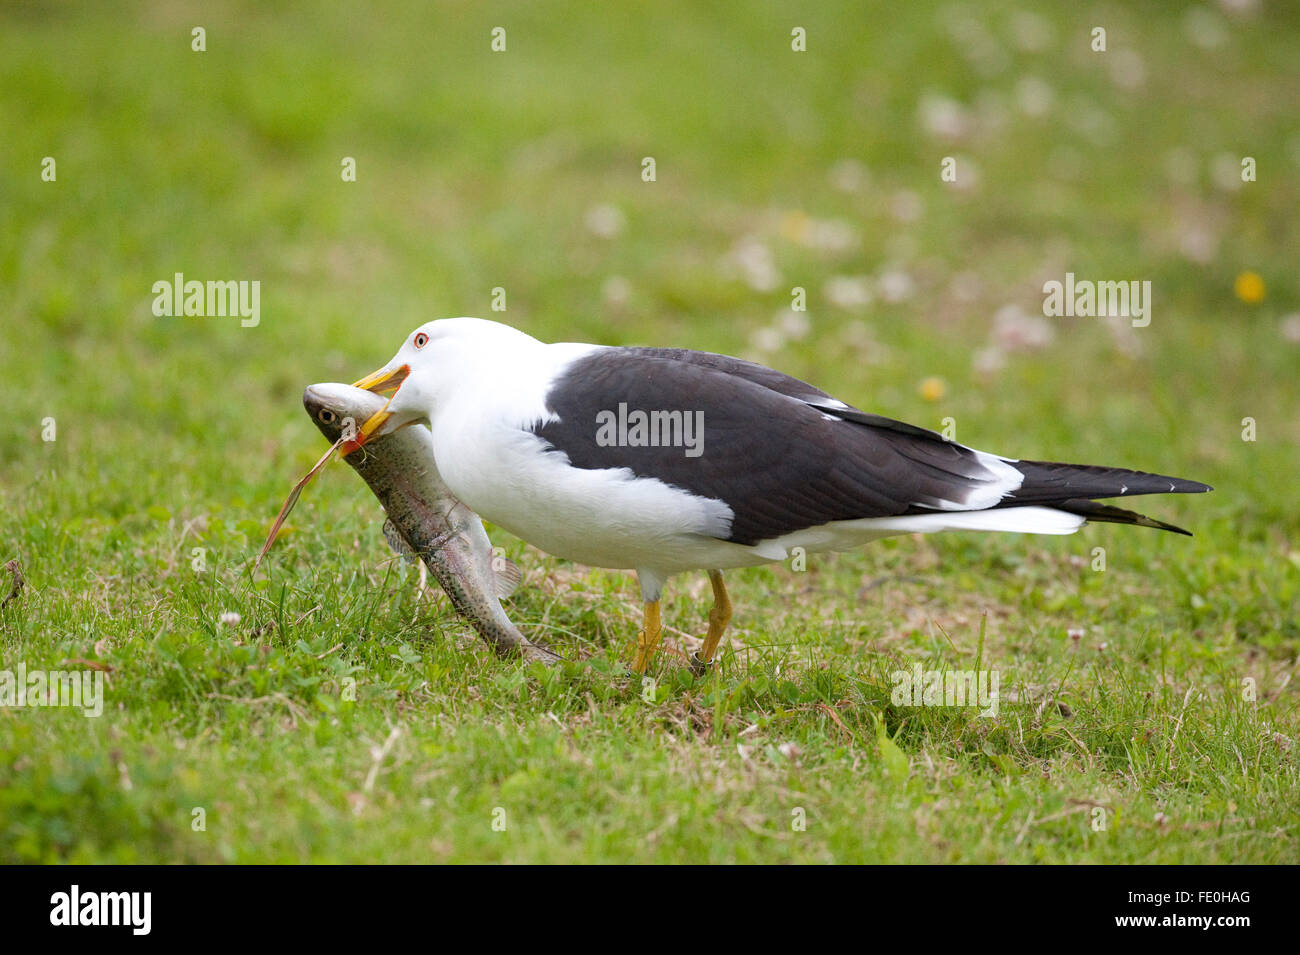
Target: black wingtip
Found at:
1052, 480
1160, 526
1097, 512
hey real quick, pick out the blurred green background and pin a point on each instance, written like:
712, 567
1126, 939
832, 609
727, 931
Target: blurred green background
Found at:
522, 169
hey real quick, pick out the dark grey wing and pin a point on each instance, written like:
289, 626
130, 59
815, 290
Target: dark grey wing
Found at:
786, 385
1046, 483
769, 378
777, 461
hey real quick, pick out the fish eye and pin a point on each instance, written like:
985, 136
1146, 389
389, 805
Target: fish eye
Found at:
420, 339
326, 416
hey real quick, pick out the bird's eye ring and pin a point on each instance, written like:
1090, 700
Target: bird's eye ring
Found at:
421, 339
327, 416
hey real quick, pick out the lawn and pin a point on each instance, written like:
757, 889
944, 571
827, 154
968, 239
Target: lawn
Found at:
1148, 706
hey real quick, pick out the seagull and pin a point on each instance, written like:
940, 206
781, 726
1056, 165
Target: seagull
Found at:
666, 460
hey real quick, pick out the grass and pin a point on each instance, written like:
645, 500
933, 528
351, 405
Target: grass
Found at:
1125, 731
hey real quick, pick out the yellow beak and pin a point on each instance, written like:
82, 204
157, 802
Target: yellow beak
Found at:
383, 381
380, 382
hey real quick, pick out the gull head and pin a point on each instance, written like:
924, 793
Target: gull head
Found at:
434, 359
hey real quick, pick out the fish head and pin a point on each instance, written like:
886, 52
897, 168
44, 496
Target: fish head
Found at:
339, 410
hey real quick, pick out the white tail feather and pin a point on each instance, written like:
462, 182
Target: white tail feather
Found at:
1015, 520
846, 535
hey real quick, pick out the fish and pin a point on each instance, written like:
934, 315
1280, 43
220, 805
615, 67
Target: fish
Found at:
424, 518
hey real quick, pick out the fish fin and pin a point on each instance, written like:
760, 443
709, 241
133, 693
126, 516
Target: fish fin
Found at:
293, 499
508, 575
398, 543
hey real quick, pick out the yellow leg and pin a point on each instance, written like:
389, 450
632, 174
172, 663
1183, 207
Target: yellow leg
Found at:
648, 640
719, 617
